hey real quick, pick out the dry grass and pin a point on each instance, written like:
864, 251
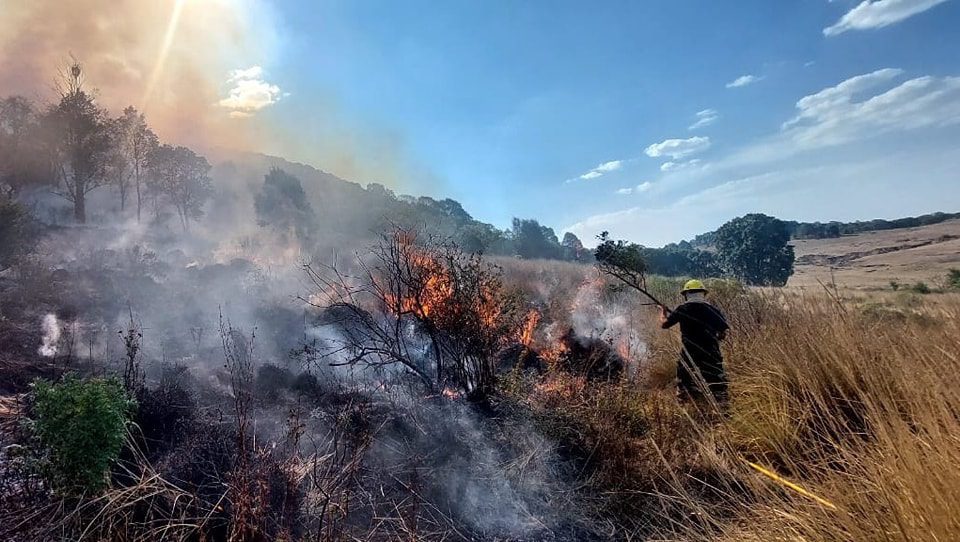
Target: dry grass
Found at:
857, 406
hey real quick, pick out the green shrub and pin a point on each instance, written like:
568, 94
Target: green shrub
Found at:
80, 426
953, 279
921, 288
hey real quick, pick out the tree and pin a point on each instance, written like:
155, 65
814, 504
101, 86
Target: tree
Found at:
136, 143
623, 261
17, 231
77, 133
572, 247
531, 240
21, 155
117, 168
754, 249
181, 177
282, 204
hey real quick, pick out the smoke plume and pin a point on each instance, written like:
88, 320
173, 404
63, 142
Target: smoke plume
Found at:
170, 58
51, 335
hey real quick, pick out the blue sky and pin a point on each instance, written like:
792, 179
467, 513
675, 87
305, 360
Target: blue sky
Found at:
656, 120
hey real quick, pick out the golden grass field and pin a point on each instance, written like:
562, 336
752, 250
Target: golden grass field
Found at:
873, 259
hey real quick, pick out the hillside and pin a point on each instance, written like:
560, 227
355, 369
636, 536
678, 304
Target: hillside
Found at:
874, 259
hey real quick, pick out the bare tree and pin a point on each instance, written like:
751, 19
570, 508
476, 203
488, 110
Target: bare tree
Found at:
77, 134
420, 292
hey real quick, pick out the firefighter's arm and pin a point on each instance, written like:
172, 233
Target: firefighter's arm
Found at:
665, 321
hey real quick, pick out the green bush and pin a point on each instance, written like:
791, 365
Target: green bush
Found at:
953, 279
921, 288
80, 426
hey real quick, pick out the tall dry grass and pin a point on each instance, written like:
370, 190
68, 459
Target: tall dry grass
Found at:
855, 401
861, 408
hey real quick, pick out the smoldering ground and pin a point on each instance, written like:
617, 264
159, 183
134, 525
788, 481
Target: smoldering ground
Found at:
419, 460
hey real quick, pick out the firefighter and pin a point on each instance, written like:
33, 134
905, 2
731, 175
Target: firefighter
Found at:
702, 327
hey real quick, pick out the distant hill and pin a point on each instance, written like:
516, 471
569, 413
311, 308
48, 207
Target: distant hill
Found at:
354, 213
834, 229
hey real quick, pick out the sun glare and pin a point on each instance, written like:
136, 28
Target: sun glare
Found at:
164, 52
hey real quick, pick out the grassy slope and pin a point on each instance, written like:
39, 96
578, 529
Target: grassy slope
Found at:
873, 259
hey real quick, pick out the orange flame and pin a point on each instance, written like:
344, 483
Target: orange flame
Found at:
529, 326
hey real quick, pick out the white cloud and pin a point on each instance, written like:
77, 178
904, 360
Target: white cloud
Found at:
744, 80
612, 165
250, 93
642, 187
678, 148
253, 72
600, 170
842, 113
675, 166
704, 118
878, 14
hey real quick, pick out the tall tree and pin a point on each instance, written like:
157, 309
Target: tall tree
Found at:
283, 205
181, 177
137, 142
78, 138
21, 155
531, 240
118, 170
754, 249
572, 247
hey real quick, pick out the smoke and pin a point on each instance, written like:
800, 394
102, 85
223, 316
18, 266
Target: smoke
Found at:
51, 335
137, 53
201, 71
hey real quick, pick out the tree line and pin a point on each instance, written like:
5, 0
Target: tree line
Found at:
834, 229
74, 146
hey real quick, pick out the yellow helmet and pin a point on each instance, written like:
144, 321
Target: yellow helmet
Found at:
693, 286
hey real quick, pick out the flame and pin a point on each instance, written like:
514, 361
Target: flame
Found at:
529, 325
435, 294
623, 347
554, 354
563, 387
451, 394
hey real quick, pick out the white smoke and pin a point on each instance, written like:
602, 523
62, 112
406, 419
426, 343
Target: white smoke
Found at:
51, 335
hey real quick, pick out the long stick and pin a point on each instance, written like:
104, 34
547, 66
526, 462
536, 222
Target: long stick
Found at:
787, 483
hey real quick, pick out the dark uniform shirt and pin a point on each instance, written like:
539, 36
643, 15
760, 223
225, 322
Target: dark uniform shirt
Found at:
701, 325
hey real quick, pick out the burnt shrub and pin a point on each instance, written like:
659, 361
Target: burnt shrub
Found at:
307, 385
271, 382
202, 461
165, 414
590, 357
